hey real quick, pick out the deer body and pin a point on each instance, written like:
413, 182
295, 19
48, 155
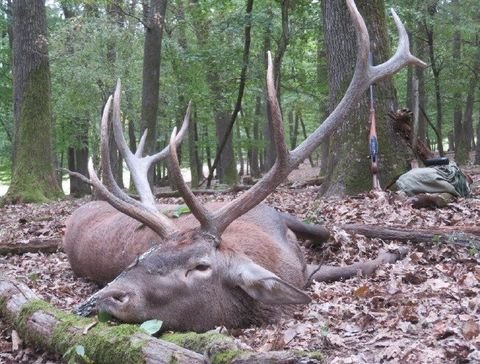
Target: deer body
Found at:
114, 240
232, 264
262, 242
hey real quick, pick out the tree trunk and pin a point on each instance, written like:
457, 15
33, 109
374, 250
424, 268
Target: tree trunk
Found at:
33, 176
420, 76
78, 162
238, 104
461, 146
77, 154
151, 75
255, 169
270, 152
348, 170
117, 17
436, 79
477, 147
227, 169
469, 105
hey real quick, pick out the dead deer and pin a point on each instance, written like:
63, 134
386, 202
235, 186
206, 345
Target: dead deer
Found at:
232, 264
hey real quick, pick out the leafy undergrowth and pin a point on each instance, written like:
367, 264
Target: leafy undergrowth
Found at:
423, 309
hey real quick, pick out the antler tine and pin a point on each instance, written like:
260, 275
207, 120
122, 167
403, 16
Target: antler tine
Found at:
363, 76
107, 175
178, 139
197, 209
276, 116
144, 212
280, 170
138, 166
133, 209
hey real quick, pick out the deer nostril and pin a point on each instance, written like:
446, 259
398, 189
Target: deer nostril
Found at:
119, 297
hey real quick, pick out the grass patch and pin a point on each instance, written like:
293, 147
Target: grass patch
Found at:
5, 172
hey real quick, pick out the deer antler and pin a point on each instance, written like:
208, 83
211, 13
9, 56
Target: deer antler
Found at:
286, 161
145, 211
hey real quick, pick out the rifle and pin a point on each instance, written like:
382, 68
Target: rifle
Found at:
372, 138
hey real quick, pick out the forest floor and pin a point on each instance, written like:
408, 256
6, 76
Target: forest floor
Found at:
422, 309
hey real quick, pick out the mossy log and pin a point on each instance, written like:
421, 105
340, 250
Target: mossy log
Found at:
221, 349
43, 326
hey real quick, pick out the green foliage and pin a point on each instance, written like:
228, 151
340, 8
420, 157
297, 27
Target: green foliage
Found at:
443, 18
151, 327
103, 316
92, 48
88, 54
77, 354
181, 210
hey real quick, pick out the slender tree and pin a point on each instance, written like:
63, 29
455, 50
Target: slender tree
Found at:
154, 20
33, 176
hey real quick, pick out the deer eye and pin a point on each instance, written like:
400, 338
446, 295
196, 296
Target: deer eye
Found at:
198, 268
202, 267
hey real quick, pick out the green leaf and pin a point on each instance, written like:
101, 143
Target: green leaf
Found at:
181, 210
152, 326
80, 350
103, 316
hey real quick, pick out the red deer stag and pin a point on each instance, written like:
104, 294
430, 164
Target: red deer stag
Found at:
232, 264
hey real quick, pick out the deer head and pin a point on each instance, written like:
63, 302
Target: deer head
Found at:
234, 265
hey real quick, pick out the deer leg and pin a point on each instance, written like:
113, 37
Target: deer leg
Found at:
328, 273
315, 232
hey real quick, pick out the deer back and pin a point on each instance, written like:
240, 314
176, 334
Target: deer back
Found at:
101, 242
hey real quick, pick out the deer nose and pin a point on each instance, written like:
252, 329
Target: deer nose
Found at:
117, 298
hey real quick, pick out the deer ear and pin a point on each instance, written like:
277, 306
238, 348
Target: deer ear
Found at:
264, 286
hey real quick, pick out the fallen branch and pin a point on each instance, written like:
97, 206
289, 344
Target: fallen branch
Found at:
234, 189
316, 181
465, 236
43, 326
35, 245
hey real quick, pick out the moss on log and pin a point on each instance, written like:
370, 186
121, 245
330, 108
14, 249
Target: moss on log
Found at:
43, 326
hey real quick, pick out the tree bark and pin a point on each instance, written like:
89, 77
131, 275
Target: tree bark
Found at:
33, 177
348, 170
78, 162
151, 75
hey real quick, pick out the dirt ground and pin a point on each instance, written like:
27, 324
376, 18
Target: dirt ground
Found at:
422, 309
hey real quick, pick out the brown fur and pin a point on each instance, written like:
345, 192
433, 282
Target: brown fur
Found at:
170, 282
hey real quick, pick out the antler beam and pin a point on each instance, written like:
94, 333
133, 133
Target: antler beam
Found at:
286, 161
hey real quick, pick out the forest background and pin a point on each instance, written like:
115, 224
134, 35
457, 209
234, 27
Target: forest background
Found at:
204, 57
